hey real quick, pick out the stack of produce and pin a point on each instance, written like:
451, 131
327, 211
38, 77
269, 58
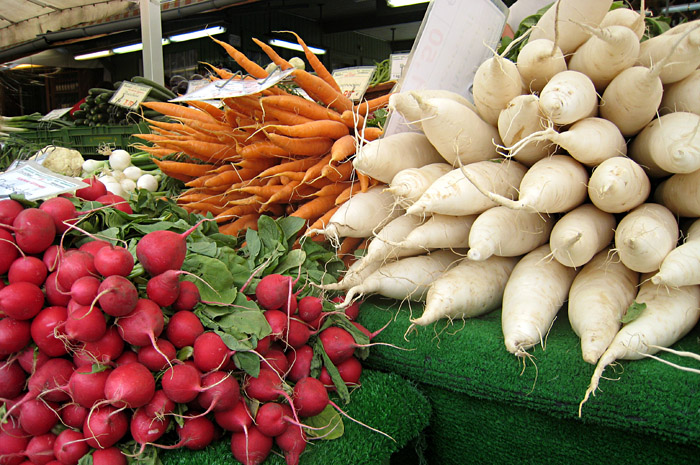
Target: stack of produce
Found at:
570, 178
274, 152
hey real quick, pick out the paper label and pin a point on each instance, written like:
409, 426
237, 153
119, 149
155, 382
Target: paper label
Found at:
55, 114
234, 87
36, 182
130, 95
397, 62
353, 82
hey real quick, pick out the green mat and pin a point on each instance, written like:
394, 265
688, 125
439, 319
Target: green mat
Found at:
487, 404
384, 401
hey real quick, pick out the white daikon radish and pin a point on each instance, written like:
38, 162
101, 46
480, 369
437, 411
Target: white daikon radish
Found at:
560, 22
382, 158
679, 193
669, 315
455, 194
608, 51
506, 232
669, 144
590, 140
568, 97
682, 95
599, 297
625, 17
552, 185
469, 289
678, 47
681, 267
405, 279
361, 215
580, 234
518, 120
440, 232
538, 61
406, 105
457, 131
618, 185
409, 184
353, 277
536, 290
496, 82
645, 235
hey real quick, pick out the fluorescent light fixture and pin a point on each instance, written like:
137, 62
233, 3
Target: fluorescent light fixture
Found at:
210, 31
134, 47
400, 3
93, 55
293, 46
25, 66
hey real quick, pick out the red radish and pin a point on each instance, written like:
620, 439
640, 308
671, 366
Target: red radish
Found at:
182, 383
49, 379
274, 292
350, 371
40, 449
128, 356
270, 418
105, 350
351, 311
13, 443
61, 210
38, 416
310, 397
300, 362
12, 379
84, 290
153, 358
143, 325
183, 328
298, 334
93, 191
70, 447
105, 426
220, 391
164, 288
21, 300
117, 296
131, 385
251, 448
51, 255
266, 387
159, 406
31, 358
278, 322
146, 429
163, 250
263, 345
310, 308
114, 260
276, 360
210, 352
9, 250
292, 442
188, 296
87, 387
116, 201
85, 324
237, 419
55, 294
74, 264
73, 415
14, 335
196, 433
108, 456
9, 209
29, 269
93, 246
338, 344
34, 230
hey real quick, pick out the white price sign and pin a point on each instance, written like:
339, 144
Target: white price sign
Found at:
234, 87
455, 37
36, 182
353, 82
397, 61
54, 114
130, 95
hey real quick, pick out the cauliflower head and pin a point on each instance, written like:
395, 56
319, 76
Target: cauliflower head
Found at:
61, 160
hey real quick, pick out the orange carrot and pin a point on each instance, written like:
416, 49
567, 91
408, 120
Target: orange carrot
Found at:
179, 111
319, 128
283, 195
315, 63
262, 191
248, 65
301, 106
156, 152
353, 189
199, 181
276, 59
183, 171
202, 206
259, 164
323, 221
303, 146
262, 149
313, 172
302, 164
353, 119
234, 212
318, 89
370, 133
222, 73
368, 106
206, 151
249, 221
349, 245
230, 177
334, 188
342, 148
314, 209
284, 116
364, 181
337, 173
216, 112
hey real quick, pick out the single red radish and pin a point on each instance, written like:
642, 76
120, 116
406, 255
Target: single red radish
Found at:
85, 289
9, 209
85, 324
116, 201
195, 433
183, 328
299, 362
105, 350
276, 359
13, 443
298, 333
14, 335
270, 418
210, 352
55, 294
263, 345
87, 386
34, 230
93, 246
292, 442
21, 300
220, 391
278, 322
105, 426
159, 406
29, 269
338, 344
12, 379
40, 449
237, 419
128, 356
51, 255
114, 260
251, 447
73, 415
310, 397
188, 296
182, 383
117, 296
93, 191
145, 429
37, 416
143, 325
274, 292
31, 358
310, 308
108, 456
61, 210
131, 385
49, 380
163, 250
352, 311
9, 250
70, 447
74, 264
160, 358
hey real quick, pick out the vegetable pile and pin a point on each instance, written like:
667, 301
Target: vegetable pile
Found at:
126, 331
571, 177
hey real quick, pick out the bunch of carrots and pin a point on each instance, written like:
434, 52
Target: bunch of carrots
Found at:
274, 153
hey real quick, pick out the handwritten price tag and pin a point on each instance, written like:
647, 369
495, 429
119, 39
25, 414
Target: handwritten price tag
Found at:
54, 114
354, 81
130, 95
34, 181
397, 62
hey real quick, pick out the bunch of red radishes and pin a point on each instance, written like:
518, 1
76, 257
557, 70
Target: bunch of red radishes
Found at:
93, 363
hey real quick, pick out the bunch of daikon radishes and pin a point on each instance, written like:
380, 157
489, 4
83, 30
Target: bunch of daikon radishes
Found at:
570, 177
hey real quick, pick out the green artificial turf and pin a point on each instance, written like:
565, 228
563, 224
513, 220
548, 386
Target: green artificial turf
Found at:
486, 403
385, 401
